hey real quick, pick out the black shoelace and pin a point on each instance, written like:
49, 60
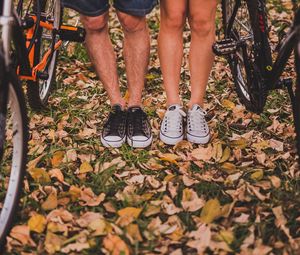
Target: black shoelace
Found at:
138, 121
114, 121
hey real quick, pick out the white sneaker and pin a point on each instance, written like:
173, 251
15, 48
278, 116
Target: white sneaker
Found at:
197, 128
171, 130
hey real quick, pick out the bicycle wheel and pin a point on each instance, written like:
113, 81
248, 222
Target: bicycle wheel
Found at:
245, 23
296, 101
13, 148
38, 91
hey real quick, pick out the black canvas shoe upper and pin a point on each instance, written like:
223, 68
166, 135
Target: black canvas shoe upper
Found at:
116, 123
138, 124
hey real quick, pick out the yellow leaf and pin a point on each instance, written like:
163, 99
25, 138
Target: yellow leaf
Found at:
217, 151
177, 234
134, 232
85, 168
40, 175
53, 242
172, 158
229, 168
228, 104
115, 245
128, 215
241, 143
57, 158
74, 193
210, 211
226, 155
130, 211
99, 227
51, 202
257, 175
227, 236
126, 96
37, 223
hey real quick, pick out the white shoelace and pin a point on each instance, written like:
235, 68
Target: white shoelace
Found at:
196, 120
173, 120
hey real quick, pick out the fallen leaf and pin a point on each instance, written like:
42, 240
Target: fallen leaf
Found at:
51, 202
128, 215
228, 104
85, 167
37, 223
190, 200
57, 158
202, 153
22, 234
210, 211
115, 245
40, 175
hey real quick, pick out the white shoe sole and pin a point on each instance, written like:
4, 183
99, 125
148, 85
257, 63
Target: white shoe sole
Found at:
170, 141
139, 144
197, 139
111, 144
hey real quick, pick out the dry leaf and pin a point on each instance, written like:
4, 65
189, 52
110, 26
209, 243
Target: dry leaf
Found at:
37, 223
57, 158
211, 211
40, 175
51, 202
115, 245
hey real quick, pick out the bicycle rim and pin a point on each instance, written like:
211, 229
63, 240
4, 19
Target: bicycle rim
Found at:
243, 63
12, 165
38, 91
52, 13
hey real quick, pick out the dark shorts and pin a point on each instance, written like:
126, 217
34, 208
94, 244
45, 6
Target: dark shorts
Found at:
98, 7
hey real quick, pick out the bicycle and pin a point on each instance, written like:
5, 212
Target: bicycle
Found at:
42, 21
13, 131
29, 56
247, 48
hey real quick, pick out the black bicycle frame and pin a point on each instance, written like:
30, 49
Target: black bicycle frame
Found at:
285, 52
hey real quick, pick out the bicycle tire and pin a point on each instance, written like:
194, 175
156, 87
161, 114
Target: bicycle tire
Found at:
13, 163
248, 64
39, 91
296, 104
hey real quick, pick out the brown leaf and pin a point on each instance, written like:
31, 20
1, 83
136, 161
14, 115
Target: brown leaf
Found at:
51, 202
22, 234
115, 245
57, 158
88, 198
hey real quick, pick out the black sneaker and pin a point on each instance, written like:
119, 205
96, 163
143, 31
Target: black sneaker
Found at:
139, 133
114, 130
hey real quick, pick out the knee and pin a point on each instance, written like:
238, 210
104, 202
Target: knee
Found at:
94, 24
174, 21
202, 27
132, 24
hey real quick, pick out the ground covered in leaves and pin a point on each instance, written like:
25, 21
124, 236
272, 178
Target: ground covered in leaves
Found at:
238, 194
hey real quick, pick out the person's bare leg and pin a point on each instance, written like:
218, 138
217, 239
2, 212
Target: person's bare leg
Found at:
136, 54
170, 45
202, 21
102, 55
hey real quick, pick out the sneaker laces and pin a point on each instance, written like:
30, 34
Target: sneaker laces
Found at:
196, 120
114, 120
173, 119
139, 122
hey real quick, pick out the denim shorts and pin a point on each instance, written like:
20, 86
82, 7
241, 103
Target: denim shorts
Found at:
98, 7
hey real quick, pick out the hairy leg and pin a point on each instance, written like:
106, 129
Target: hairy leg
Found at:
202, 22
136, 54
170, 46
102, 55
